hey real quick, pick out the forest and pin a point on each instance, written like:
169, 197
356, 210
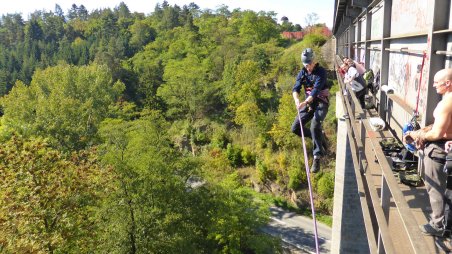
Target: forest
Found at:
151, 133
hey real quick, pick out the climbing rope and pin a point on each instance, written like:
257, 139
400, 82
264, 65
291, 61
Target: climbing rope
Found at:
413, 124
309, 185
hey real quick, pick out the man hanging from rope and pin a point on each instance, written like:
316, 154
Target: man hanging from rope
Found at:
315, 106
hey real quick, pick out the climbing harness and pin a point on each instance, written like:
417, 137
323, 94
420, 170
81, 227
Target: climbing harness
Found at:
309, 184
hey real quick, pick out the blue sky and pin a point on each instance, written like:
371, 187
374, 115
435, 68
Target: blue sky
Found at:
295, 10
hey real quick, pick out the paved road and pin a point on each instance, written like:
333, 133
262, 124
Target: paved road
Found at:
298, 231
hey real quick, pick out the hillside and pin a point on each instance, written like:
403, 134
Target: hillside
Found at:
109, 117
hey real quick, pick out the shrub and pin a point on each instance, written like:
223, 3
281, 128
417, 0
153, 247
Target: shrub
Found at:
325, 185
314, 40
234, 155
248, 157
264, 172
219, 137
296, 175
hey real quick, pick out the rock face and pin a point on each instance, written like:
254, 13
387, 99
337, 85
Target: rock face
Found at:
256, 186
275, 189
293, 197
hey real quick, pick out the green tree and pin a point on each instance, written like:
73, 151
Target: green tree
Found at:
72, 12
142, 34
152, 211
53, 27
236, 219
170, 18
187, 92
280, 131
13, 29
146, 75
257, 28
156, 209
286, 25
80, 51
47, 202
122, 10
33, 31
245, 86
62, 103
58, 11
3, 82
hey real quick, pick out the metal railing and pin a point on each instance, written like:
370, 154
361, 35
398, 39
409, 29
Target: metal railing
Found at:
375, 205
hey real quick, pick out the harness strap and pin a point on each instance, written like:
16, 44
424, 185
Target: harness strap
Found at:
311, 197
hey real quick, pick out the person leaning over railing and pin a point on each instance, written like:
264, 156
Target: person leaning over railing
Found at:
359, 66
432, 140
356, 82
342, 70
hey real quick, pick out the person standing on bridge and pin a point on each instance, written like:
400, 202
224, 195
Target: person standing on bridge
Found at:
315, 106
432, 140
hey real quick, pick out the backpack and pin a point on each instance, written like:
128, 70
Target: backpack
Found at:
410, 178
369, 78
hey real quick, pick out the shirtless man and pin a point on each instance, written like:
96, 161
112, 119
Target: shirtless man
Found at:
432, 139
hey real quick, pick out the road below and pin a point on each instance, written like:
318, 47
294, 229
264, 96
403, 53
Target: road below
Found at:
298, 231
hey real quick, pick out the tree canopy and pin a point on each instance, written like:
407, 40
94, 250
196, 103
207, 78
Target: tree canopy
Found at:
142, 133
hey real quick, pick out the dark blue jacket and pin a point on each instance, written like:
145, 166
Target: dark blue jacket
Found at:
313, 83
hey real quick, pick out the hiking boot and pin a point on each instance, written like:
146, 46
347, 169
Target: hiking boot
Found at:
315, 165
444, 244
429, 229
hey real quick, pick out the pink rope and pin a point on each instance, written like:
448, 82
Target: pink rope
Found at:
309, 185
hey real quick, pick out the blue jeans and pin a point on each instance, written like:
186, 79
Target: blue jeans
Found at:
316, 116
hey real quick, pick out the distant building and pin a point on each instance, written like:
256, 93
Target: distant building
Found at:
300, 34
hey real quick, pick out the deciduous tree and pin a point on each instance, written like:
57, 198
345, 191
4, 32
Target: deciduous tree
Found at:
63, 103
47, 202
